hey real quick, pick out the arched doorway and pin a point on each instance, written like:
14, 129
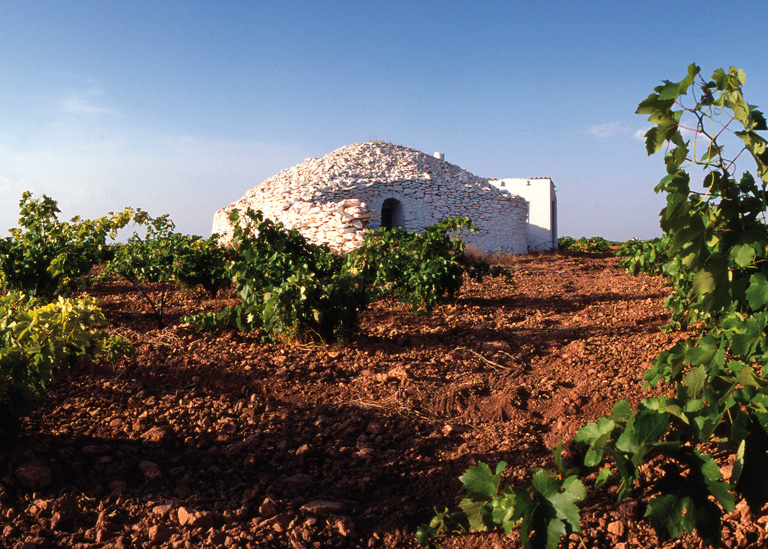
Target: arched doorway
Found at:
391, 213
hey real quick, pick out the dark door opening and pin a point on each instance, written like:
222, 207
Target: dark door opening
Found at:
391, 214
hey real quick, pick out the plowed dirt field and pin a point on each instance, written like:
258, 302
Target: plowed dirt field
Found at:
218, 439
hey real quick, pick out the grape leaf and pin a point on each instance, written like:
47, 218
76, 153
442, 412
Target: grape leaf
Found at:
480, 481
757, 292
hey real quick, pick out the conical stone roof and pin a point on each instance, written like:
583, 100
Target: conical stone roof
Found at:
331, 199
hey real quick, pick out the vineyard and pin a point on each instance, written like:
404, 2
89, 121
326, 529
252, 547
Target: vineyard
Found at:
168, 391
247, 433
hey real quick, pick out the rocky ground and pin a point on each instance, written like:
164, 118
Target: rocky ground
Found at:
217, 439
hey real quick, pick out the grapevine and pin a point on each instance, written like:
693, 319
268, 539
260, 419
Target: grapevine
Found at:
715, 255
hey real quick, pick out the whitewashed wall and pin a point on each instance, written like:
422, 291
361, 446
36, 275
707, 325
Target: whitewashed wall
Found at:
542, 213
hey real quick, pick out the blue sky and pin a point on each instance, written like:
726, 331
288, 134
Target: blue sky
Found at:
180, 107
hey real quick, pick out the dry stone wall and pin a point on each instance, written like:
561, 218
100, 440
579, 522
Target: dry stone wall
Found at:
333, 199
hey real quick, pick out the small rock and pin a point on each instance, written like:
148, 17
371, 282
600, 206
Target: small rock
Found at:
217, 538
102, 535
160, 534
250, 494
163, 509
34, 475
323, 507
399, 372
616, 528
268, 509
726, 471
449, 429
184, 513
234, 448
65, 511
302, 533
157, 434
281, 522
39, 506
103, 522
150, 470
345, 526
496, 346
202, 519
177, 471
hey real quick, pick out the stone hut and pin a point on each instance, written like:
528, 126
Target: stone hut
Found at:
333, 199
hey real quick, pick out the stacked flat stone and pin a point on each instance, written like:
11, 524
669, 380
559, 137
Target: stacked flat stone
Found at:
333, 199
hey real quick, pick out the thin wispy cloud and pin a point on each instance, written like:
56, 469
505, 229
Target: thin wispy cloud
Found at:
608, 129
85, 102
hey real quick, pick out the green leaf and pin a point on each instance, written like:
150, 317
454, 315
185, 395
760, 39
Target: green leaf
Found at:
544, 517
669, 91
603, 476
621, 411
504, 511
545, 483
667, 516
480, 481
704, 282
738, 464
476, 512
704, 352
595, 435
565, 501
653, 104
686, 503
744, 255
748, 377
747, 334
693, 383
646, 426
757, 292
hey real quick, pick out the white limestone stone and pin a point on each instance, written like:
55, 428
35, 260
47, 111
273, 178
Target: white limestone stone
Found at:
337, 197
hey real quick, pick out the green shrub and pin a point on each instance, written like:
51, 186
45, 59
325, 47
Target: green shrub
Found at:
296, 290
290, 288
594, 244
46, 257
420, 269
167, 258
37, 340
644, 256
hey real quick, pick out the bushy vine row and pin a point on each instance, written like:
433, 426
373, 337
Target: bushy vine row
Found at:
295, 290
42, 328
592, 244
715, 255
288, 288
